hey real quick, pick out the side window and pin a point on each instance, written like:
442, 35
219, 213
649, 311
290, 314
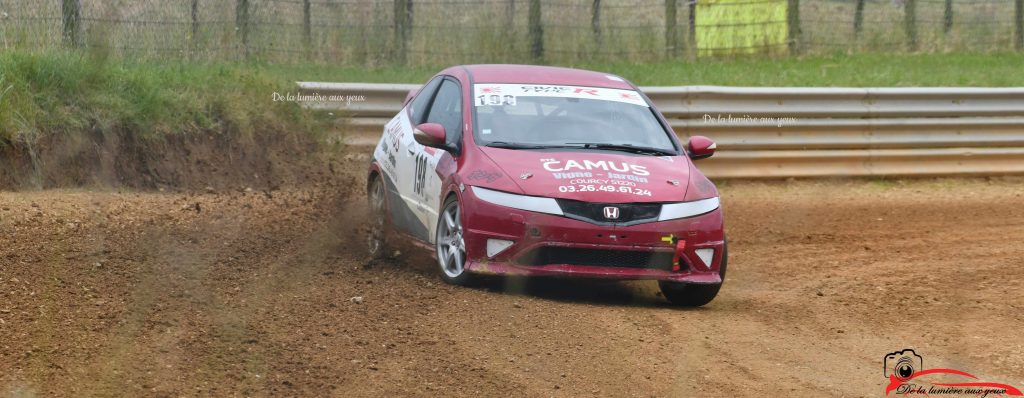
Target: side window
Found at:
418, 105
447, 111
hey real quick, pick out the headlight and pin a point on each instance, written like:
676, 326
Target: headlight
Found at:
522, 202
672, 211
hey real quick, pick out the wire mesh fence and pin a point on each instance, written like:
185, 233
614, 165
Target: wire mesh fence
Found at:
433, 32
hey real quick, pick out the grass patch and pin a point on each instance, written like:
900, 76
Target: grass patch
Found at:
63, 92
839, 70
69, 92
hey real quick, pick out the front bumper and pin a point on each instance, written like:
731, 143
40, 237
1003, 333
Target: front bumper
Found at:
550, 245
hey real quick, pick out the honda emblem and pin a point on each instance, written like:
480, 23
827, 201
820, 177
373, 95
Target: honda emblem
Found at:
611, 213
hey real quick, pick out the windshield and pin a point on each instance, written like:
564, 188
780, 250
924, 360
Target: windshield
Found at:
530, 116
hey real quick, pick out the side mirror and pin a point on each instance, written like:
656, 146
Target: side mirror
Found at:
429, 134
408, 97
701, 147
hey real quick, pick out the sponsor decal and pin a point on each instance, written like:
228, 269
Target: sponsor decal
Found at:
906, 374
506, 94
389, 145
555, 165
604, 188
387, 149
485, 175
394, 134
575, 174
600, 181
627, 177
622, 177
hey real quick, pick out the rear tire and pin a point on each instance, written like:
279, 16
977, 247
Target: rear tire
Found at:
376, 244
450, 244
693, 294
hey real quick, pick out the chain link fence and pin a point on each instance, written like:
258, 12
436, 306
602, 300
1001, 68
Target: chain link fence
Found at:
436, 32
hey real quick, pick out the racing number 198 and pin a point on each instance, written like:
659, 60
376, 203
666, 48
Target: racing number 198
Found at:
421, 174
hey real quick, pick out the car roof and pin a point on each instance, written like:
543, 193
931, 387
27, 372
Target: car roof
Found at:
534, 74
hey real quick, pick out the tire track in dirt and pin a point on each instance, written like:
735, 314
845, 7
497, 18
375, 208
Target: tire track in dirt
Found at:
249, 293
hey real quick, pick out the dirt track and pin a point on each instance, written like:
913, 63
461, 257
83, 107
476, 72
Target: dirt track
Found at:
248, 294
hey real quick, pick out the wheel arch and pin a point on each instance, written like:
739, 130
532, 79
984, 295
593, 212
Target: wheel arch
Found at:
451, 193
451, 189
375, 172
372, 172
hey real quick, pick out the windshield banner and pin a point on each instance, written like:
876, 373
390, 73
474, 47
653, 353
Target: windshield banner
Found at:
485, 94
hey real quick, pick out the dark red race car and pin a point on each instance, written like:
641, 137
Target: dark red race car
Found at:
543, 171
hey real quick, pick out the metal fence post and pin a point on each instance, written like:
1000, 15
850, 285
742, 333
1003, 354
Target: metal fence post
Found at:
407, 25
595, 22
1019, 22
858, 19
510, 15
536, 31
402, 29
947, 17
670, 28
72, 21
793, 20
691, 26
910, 23
242, 24
307, 27
194, 37
398, 53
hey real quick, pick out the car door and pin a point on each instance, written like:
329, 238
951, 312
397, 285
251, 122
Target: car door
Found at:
396, 154
446, 110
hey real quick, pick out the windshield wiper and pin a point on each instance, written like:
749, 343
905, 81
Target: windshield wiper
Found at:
625, 148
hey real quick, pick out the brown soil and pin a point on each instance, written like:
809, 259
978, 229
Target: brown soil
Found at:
184, 161
251, 294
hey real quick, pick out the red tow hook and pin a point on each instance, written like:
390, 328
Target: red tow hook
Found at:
680, 245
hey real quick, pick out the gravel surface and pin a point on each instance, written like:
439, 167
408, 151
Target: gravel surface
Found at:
268, 293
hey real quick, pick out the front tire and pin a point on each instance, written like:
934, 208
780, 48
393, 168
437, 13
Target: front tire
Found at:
692, 294
376, 245
450, 244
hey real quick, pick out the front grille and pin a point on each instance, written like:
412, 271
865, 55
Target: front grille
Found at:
598, 257
629, 213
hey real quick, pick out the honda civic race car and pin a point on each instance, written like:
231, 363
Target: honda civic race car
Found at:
545, 171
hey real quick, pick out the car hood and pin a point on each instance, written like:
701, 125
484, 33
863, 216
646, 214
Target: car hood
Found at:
594, 175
